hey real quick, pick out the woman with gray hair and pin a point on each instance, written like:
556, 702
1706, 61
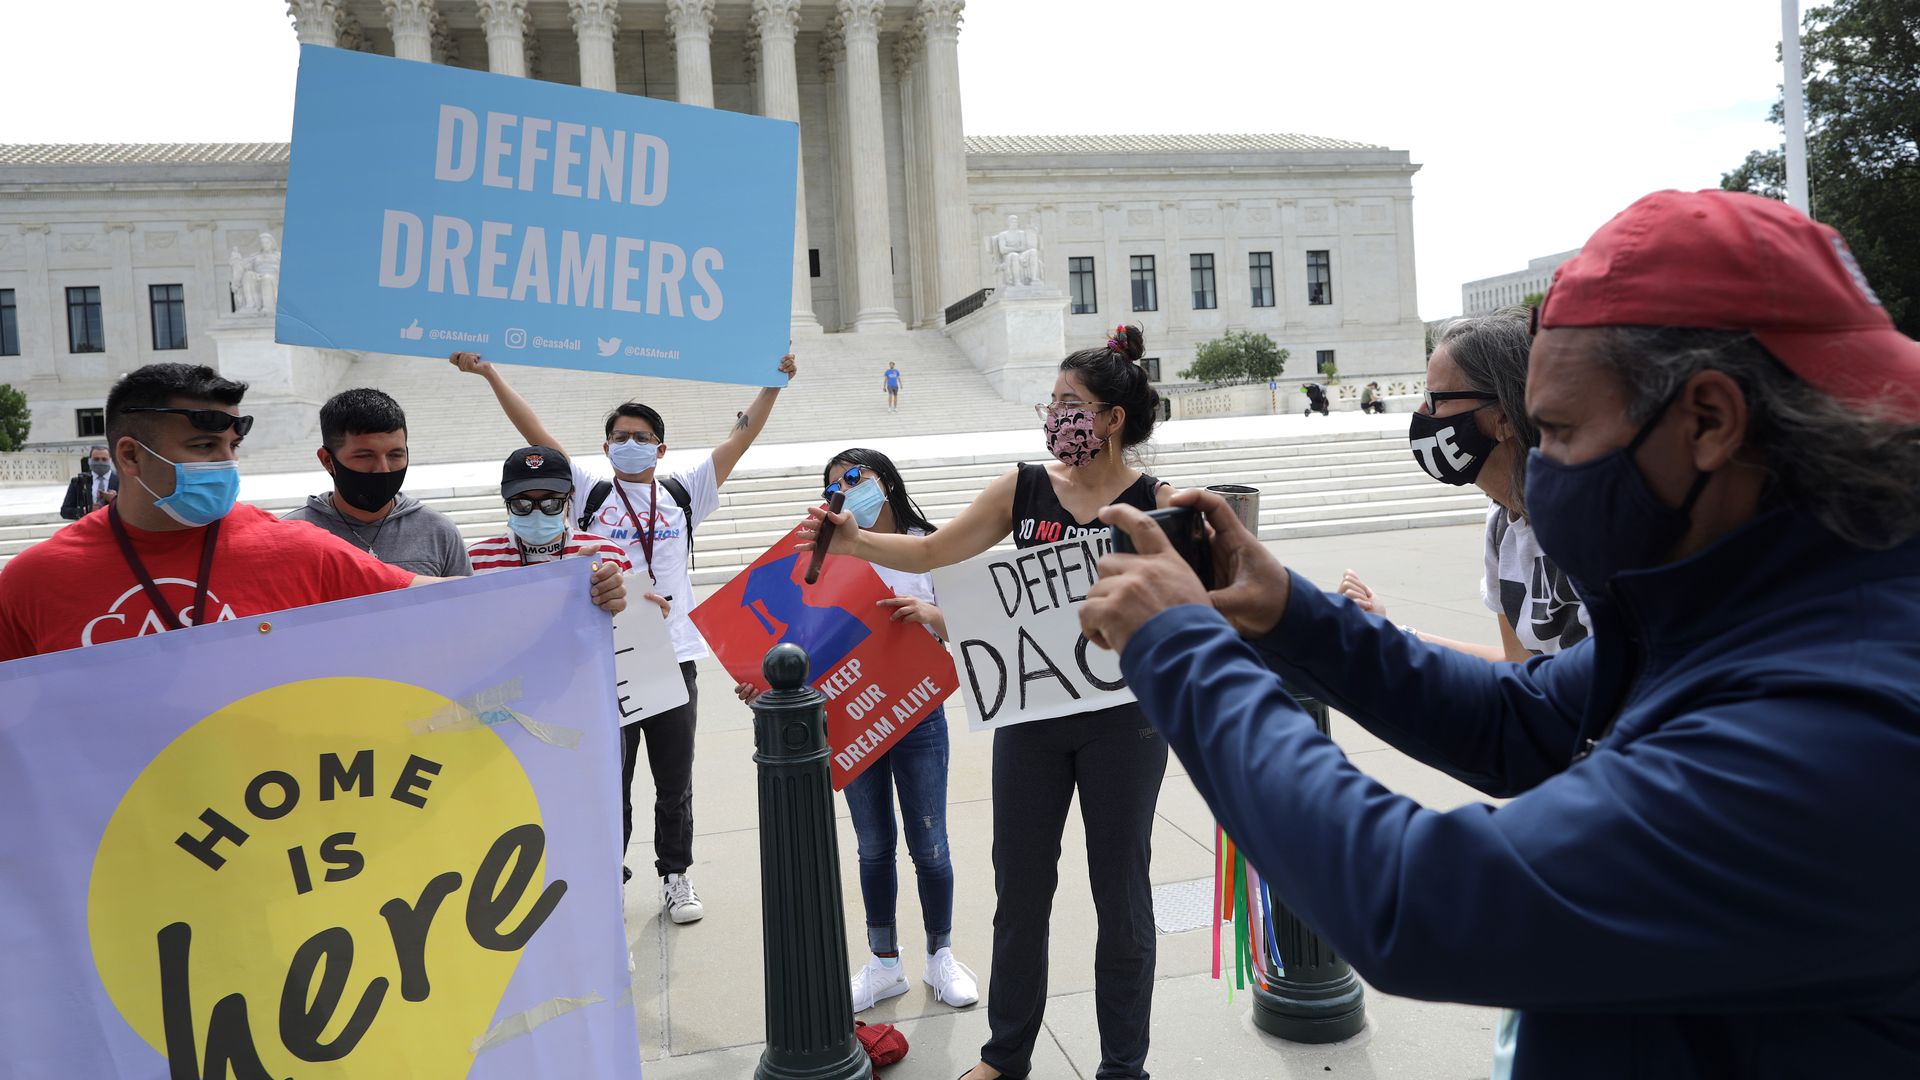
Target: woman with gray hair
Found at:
1473, 429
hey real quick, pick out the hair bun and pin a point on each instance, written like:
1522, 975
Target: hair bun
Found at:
1127, 341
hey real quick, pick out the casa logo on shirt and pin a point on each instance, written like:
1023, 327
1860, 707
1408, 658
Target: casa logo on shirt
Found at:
620, 525
118, 623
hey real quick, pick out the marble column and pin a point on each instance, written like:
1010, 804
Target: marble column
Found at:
1403, 248
412, 24
833, 68
315, 22
505, 23
939, 22
919, 242
867, 142
595, 22
691, 24
775, 23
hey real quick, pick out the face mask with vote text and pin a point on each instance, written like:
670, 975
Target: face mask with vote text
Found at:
1451, 449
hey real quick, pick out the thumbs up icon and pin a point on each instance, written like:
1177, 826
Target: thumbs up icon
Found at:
412, 331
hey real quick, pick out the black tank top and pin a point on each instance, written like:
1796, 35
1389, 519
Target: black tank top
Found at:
1038, 517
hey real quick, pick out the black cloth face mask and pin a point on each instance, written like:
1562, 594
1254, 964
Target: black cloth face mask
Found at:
1452, 449
366, 491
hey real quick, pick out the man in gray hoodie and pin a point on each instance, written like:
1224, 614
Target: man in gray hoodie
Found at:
363, 445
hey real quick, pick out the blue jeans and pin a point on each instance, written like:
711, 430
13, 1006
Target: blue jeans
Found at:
917, 766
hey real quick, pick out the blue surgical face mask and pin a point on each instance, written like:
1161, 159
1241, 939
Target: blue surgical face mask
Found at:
1599, 518
633, 456
864, 503
203, 491
538, 529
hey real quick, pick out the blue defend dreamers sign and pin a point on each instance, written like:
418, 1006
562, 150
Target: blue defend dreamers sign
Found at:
432, 209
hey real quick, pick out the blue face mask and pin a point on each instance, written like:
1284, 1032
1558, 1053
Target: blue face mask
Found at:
1599, 518
538, 529
633, 456
864, 502
203, 491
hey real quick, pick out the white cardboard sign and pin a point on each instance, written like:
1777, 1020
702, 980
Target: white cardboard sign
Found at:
647, 675
1014, 620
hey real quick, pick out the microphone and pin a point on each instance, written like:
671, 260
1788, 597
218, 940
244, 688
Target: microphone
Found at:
825, 536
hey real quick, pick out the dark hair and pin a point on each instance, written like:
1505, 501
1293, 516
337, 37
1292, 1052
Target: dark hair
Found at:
638, 412
1114, 375
1491, 351
362, 411
1854, 470
906, 512
159, 386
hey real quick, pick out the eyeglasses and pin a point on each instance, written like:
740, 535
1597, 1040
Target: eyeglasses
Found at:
521, 506
1047, 409
213, 420
619, 437
849, 480
1435, 397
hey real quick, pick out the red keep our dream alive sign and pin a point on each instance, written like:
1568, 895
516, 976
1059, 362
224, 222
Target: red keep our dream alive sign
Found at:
880, 677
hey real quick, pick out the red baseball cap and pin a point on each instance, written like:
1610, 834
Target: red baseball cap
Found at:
1725, 260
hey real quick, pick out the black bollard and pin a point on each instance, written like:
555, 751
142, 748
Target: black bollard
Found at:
809, 997
1319, 999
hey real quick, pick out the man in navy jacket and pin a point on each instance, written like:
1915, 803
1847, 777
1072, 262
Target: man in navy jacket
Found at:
1710, 863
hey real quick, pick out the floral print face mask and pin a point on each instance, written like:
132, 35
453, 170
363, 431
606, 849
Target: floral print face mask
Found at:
1070, 436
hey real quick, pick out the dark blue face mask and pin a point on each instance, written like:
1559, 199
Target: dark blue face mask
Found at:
1599, 518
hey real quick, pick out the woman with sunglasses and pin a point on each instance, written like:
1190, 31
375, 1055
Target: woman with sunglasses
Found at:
916, 765
1102, 410
1473, 428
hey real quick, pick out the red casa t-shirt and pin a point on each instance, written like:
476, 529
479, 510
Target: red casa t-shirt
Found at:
75, 588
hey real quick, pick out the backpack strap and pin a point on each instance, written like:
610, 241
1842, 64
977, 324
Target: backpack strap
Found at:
684, 501
595, 498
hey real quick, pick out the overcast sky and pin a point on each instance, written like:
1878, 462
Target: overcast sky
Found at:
1534, 121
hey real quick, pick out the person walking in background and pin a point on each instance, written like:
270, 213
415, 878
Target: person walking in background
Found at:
96, 486
1473, 428
363, 446
1103, 408
915, 766
891, 380
660, 539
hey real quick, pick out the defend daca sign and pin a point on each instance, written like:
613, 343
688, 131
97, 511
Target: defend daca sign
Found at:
880, 677
431, 209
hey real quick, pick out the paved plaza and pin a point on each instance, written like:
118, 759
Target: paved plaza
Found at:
697, 989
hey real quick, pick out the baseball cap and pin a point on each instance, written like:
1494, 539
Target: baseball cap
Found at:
1726, 260
535, 468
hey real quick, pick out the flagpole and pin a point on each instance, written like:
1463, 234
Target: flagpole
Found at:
1796, 108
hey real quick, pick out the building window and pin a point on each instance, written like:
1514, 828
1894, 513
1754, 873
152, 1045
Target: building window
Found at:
89, 422
169, 316
1323, 361
1146, 295
1152, 366
84, 330
1260, 267
813, 262
1204, 298
1086, 298
9, 325
1319, 278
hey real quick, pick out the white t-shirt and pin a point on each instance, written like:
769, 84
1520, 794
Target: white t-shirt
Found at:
1521, 583
670, 528
906, 583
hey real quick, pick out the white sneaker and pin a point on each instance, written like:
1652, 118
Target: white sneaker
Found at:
953, 982
876, 982
682, 903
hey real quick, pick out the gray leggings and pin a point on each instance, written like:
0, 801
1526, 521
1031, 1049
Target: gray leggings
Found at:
1116, 761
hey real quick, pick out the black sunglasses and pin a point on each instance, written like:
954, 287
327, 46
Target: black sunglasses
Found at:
521, 506
847, 481
214, 420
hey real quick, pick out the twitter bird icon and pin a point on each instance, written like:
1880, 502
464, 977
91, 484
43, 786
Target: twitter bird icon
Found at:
608, 346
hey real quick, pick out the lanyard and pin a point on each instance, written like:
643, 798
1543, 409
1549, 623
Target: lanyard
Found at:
646, 532
139, 569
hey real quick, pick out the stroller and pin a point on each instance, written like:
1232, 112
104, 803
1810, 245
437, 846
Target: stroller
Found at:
1316, 399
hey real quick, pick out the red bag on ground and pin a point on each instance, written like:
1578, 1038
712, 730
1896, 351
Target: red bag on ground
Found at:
883, 1042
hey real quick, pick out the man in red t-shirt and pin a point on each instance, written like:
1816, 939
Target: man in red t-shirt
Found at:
174, 550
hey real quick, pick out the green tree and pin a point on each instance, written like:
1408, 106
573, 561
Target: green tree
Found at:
15, 420
1862, 63
1532, 298
1239, 356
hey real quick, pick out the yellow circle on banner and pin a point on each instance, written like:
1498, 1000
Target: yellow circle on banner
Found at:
366, 920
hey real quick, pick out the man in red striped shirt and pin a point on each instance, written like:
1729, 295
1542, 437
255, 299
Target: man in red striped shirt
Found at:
537, 484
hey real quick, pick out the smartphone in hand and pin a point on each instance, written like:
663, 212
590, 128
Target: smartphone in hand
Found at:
1186, 529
